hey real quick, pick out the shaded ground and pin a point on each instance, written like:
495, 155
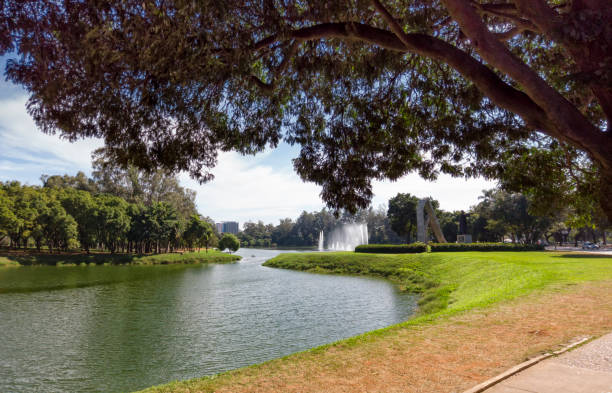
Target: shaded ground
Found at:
448, 353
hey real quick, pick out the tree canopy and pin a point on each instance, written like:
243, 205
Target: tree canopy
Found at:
402, 215
369, 89
230, 242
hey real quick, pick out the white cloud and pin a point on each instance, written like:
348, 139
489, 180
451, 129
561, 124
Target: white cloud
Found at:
263, 187
244, 189
452, 193
25, 150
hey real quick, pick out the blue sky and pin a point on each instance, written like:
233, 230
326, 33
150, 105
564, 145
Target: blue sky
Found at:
246, 188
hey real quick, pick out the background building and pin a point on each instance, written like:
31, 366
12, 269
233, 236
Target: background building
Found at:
227, 227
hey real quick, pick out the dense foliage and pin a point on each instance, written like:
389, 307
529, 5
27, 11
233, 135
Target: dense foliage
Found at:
369, 89
441, 247
499, 216
76, 212
402, 215
413, 248
229, 242
304, 231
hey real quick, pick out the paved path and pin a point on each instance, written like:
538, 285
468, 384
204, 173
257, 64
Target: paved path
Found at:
587, 369
602, 251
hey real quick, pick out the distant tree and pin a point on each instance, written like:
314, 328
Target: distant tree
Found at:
449, 223
211, 241
198, 232
24, 200
80, 182
259, 234
138, 186
8, 221
58, 228
402, 215
508, 214
82, 207
112, 219
138, 235
162, 219
281, 234
304, 232
230, 242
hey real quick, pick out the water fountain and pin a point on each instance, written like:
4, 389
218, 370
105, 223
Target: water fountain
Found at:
345, 237
321, 241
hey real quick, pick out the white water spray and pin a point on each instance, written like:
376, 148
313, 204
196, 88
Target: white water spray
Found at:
345, 238
321, 241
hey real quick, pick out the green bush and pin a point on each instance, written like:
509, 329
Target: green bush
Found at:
413, 248
442, 247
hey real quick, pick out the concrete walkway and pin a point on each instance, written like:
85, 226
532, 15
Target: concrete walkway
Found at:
587, 369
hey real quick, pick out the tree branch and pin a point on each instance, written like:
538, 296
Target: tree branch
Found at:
507, 35
484, 78
569, 124
266, 87
541, 15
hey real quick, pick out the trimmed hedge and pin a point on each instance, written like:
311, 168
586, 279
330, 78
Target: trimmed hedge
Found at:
442, 247
413, 248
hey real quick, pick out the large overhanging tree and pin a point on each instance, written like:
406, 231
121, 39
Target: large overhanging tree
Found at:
370, 89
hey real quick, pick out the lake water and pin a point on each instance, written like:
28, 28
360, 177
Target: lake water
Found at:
124, 328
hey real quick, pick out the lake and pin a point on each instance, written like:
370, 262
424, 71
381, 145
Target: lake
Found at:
124, 328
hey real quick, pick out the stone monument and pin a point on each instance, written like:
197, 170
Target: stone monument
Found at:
463, 236
423, 223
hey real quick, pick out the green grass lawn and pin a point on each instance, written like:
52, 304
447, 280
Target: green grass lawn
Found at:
455, 281
6, 262
16, 258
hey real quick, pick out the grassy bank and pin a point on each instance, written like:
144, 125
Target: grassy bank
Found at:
456, 281
31, 258
496, 306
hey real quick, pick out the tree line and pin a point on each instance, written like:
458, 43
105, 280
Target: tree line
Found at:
118, 210
499, 216
68, 218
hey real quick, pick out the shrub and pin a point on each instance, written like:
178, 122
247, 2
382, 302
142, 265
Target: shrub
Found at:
230, 242
413, 248
442, 247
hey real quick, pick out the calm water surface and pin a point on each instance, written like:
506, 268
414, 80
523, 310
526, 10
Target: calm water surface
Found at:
123, 328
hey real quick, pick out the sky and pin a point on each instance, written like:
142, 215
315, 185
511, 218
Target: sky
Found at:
246, 188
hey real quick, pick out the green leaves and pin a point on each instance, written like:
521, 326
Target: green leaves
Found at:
229, 242
169, 84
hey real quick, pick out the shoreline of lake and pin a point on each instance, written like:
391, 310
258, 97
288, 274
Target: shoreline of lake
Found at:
30, 258
455, 288
123, 328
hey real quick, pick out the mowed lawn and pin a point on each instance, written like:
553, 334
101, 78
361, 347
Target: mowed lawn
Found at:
455, 281
480, 313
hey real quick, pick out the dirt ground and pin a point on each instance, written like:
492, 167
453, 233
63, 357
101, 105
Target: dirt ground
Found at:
451, 355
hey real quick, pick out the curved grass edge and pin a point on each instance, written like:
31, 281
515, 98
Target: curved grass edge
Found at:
433, 294
41, 259
572, 270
